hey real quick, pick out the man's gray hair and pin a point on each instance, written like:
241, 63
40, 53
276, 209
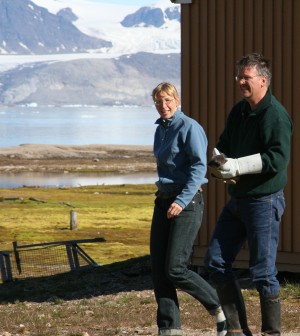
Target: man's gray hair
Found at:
258, 61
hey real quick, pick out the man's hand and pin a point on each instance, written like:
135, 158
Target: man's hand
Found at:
230, 168
217, 161
232, 180
174, 210
227, 169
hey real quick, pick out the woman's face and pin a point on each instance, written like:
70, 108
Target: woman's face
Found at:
166, 104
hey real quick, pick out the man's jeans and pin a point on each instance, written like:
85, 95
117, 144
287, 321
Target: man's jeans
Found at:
255, 219
171, 246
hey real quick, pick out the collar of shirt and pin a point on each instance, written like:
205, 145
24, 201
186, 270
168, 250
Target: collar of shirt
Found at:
167, 122
264, 103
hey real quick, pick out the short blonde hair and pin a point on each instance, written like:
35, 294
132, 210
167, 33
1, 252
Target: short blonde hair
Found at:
166, 87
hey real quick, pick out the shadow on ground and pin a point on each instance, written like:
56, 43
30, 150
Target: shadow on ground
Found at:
129, 275
132, 274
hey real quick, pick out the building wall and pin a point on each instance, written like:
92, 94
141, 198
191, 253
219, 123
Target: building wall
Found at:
215, 33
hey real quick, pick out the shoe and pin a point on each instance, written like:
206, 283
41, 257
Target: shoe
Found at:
170, 332
221, 328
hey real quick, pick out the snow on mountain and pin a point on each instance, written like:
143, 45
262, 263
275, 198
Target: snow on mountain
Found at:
126, 80
146, 51
103, 20
26, 28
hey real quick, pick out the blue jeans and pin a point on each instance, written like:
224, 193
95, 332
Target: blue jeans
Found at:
171, 246
255, 219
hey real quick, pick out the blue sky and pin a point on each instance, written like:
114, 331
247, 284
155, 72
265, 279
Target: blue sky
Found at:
139, 3
131, 2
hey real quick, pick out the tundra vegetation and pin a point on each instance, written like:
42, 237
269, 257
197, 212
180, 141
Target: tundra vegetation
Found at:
115, 298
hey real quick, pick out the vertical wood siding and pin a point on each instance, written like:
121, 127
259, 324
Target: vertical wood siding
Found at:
215, 33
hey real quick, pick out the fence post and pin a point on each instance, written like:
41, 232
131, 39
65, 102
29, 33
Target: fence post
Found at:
5, 266
73, 220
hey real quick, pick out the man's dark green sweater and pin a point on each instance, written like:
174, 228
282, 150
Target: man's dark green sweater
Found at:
266, 130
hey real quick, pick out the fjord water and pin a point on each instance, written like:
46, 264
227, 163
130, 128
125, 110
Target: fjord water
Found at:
75, 125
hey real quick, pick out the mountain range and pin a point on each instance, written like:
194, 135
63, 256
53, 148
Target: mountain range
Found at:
147, 17
126, 80
86, 52
45, 32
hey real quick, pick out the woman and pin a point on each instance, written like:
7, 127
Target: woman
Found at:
180, 146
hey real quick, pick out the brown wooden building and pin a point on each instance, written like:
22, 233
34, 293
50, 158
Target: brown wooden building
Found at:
214, 34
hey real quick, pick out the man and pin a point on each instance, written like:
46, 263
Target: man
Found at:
256, 144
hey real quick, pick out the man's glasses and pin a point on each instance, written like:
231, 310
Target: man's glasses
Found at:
245, 78
160, 102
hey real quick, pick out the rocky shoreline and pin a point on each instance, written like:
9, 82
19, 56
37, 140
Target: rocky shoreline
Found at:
84, 158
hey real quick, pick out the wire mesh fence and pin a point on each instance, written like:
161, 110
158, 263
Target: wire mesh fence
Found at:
54, 260
38, 260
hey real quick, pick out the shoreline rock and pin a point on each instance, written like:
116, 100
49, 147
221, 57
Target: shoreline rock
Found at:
85, 158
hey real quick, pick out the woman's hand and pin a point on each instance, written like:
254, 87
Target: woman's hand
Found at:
174, 210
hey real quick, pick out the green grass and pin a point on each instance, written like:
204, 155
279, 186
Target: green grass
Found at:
113, 299
120, 214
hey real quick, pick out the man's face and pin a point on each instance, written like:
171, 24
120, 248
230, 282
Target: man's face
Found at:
252, 85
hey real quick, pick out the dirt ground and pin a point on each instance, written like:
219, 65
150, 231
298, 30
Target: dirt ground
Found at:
97, 158
103, 296
88, 158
